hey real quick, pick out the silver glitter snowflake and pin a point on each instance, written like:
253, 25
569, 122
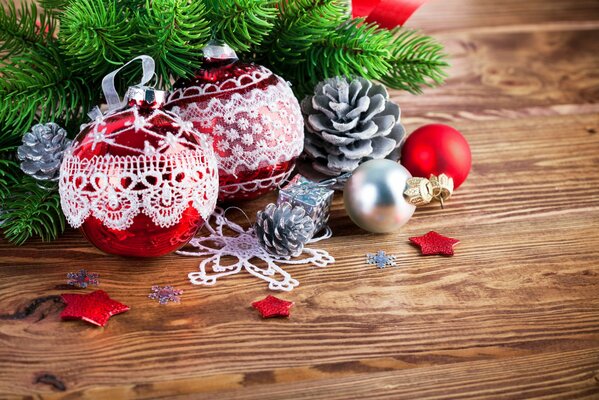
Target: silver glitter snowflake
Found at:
164, 294
381, 259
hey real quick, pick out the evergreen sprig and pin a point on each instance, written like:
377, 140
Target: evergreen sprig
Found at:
24, 30
97, 34
31, 210
416, 61
53, 6
174, 32
243, 24
10, 173
300, 24
39, 87
355, 48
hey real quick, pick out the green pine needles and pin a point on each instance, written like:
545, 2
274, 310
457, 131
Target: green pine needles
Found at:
31, 211
54, 55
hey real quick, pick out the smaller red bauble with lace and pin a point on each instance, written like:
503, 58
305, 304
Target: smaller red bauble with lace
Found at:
253, 117
138, 180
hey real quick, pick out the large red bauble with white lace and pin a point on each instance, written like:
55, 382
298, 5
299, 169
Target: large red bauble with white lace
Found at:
139, 181
254, 119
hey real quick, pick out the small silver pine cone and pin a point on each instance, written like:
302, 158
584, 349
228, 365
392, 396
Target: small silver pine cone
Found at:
42, 150
283, 230
348, 122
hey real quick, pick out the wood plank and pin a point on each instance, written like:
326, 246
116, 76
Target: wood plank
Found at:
556, 376
506, 15
513, 75
515, 314
524, 283
563, 375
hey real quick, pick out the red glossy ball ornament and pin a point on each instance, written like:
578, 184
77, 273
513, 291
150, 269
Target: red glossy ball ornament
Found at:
139, 181
437, 149
253, 117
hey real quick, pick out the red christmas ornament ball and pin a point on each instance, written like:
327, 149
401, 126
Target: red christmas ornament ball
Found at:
437, 149
139, 181
253, 117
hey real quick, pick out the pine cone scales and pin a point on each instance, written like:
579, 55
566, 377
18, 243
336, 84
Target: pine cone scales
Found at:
42, 151
349, 122
283, 230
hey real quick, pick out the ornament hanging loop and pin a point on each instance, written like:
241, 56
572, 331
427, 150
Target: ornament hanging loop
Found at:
108, 87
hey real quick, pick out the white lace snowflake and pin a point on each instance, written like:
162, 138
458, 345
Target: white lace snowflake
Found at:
237, 150
247, 139
232, 134
243, 123
257, 129
219, 130
247, 251
223, 145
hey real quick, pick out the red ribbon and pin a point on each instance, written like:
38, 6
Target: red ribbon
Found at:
387, 13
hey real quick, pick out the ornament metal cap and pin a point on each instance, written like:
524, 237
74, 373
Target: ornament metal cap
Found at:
219, 50
419, 191
147, 94
442, 187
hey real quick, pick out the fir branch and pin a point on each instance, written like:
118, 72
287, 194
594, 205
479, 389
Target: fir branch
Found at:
174, 32
97, 34
400, 59
54, 6
243, 24
416, 61
31, 211
355, 48
10, 173
38, 86
19, 31
301, 23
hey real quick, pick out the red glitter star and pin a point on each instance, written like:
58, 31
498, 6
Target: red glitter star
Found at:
96, 307
432, 243
271, 307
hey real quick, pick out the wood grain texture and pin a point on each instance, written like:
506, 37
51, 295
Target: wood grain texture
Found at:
514, 314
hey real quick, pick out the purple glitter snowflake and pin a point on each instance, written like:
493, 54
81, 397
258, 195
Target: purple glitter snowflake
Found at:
82, 279
164, 294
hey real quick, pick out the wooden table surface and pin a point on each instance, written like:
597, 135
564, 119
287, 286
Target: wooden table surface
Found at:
514, 314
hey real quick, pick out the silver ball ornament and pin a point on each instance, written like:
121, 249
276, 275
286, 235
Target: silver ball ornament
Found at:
374, 196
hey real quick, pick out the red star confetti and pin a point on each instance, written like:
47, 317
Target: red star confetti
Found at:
271, 307
95, 307
432, 243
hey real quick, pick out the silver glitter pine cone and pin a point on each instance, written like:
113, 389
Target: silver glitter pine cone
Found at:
349, 122
42, 151
283, 230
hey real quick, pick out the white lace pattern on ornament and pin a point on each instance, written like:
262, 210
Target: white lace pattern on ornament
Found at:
246, 189
115, 189
255, 129
257, 75
249, 256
